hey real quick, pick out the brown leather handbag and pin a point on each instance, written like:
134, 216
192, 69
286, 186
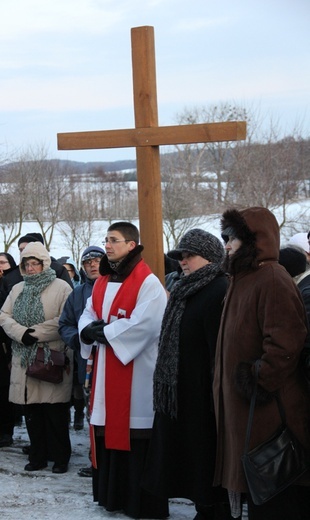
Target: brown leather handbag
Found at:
52, 371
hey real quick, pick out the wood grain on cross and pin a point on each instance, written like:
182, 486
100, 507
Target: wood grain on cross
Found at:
146, 137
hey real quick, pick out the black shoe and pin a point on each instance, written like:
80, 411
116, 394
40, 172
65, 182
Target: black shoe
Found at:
35, 467
26, 450
60, 468
6, 440
204, 512
86, 472
78, 421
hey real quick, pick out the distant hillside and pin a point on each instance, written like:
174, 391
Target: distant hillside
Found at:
82, 167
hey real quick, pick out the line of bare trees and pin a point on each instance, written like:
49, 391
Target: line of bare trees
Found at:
197, 180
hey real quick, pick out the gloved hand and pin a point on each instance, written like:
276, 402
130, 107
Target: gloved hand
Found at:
27, 339
94, 332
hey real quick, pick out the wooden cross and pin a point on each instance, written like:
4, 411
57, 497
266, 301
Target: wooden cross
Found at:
146, 137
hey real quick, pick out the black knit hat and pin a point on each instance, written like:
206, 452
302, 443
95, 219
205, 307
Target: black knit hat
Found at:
293, 259
31, 237
199, 242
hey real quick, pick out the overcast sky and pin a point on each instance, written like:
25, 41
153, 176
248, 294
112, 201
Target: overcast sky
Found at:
66, 64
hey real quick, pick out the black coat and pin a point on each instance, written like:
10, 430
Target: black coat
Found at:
182, 451
304, 287
5, 341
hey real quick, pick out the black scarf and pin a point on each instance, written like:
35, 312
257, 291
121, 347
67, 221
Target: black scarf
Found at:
166, 370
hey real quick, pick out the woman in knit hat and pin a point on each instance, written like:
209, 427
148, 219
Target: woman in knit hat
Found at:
29, 317
182, 452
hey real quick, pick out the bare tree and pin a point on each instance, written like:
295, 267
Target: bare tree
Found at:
213, 157
118, 200
47, 189
13, 202
78, 217
269, 174
179, 199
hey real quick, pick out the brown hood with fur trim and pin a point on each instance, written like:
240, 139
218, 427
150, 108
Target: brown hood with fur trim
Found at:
259, 232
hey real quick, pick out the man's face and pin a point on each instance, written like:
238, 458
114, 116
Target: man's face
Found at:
22, 246
91, 267
117, 247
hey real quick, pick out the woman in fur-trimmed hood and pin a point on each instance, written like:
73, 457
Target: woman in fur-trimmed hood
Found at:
30, 317
263, 319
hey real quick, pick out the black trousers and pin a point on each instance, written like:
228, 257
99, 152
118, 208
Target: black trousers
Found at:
7, 412
48, 430
117, 482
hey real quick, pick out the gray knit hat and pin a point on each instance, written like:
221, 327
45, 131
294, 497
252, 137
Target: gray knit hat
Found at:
202, 243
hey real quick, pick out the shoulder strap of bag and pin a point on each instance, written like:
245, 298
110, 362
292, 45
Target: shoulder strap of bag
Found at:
252, 407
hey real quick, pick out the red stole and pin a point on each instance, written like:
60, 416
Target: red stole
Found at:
118, 377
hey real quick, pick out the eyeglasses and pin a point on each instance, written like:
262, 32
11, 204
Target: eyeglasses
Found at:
92, 260
112, 240
27, 265
2, 262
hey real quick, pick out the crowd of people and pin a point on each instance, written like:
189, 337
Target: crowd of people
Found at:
164, 375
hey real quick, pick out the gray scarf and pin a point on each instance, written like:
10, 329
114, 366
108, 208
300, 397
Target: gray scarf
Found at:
28, 311
166, 370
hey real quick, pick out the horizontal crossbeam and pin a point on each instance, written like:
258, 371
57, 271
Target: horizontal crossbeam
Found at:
153, 136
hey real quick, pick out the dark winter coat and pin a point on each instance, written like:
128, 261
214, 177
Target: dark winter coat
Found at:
5, 341
304, 287
303, 284
68, 322
263, 318
182, 452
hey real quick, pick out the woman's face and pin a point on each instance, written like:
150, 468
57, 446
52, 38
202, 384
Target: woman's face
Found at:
32, 266
191, 263
4, 263
233, 245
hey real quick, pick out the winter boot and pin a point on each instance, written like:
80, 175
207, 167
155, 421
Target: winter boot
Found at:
78, 414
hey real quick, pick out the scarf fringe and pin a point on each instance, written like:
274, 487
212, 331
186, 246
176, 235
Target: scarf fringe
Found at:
165, 399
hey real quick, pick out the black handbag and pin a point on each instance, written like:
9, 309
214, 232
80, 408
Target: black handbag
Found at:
276, 463
52, 371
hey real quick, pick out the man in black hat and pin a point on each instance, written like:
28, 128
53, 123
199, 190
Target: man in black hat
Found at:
68, 329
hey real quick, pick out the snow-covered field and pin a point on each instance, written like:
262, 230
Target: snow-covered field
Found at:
43, 495
297, 221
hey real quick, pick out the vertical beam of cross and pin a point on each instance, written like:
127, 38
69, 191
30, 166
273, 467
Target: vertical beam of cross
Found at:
146, 137
148, 158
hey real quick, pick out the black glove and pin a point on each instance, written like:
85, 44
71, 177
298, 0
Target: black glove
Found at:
27, 339
93, 332
245, 381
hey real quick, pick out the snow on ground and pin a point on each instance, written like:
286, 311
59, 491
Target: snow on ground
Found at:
297, 216
44, 495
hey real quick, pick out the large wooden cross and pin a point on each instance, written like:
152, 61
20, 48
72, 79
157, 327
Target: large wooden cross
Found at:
146, 137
